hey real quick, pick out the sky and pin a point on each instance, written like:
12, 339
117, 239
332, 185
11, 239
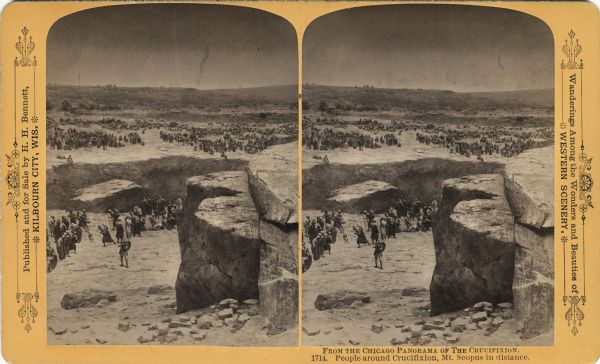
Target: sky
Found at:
174, 45
449, 47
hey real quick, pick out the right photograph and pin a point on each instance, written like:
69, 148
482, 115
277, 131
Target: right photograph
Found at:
427, 188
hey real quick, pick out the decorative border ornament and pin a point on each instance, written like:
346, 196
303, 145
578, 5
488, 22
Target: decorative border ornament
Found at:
26, 300
572, 51
584, 181
25, 47
12, 179
28, 312
574, 314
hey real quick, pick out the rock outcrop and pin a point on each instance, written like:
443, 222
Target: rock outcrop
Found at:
473, 241
530, 195
218, 235
530, 187
273, 178
86, 298
340, 299
494, 240
115, 193
238, 235
371, 194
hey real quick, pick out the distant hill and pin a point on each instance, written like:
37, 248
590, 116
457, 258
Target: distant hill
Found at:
114, 97
362, 98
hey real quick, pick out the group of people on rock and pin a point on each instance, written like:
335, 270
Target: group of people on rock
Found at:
73, 138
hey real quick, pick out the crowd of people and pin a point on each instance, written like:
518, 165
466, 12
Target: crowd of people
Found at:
73, 138
250, 138
466, 140
321, 233
507, 141
406, 215
65, 233
329, 139
113, 124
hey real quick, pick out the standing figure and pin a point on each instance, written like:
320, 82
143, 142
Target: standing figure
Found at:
374, 232
361, 238
106, 238
120, 231
378, 253
124, 247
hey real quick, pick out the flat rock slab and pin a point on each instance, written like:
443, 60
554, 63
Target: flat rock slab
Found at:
530, 187
86, 298
340, 299
490, 217
273, 177
232, 214
217, 184
115, 193
366, 195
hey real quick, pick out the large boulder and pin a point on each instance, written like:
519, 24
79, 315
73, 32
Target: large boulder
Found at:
530, 194
376, 195
115, 193
199, 188
473, 238
219, 242
273, 180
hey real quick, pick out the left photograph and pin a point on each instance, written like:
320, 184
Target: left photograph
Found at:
172, 177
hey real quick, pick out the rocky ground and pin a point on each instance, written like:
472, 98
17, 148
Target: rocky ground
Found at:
92, 300
347, 301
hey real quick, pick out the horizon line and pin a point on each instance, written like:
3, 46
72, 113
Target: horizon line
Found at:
428, 89
53, 84
308, 84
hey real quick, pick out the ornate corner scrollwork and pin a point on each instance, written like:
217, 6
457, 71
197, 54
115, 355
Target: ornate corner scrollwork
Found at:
25, 47
574, 314
572, 50
28, 312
